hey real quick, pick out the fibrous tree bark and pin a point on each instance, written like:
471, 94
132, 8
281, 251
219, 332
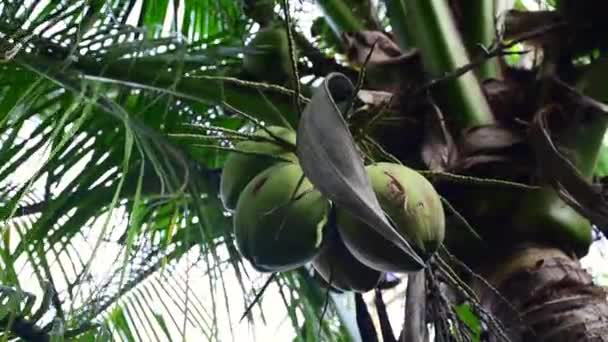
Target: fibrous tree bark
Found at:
541, 293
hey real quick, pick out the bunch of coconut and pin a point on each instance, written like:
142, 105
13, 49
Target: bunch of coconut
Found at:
279, 218
281, 222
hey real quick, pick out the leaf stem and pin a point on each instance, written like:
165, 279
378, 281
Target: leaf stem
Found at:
434, 31
339, 16
397, 17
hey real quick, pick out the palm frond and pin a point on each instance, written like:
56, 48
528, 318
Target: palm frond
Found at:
97, 202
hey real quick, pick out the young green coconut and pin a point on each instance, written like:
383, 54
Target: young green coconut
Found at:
267, 56
414, 207
253, 157
339, 268
280, 219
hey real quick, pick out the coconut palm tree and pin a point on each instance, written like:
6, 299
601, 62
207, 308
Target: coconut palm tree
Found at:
116, 119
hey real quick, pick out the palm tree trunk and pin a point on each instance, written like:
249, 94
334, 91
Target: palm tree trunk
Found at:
543, 294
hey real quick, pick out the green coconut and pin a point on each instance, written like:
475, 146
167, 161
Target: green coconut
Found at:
414, 207
267, 55
253, 157
280, 219
339, 268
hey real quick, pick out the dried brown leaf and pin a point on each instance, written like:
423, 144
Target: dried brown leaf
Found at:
439, 151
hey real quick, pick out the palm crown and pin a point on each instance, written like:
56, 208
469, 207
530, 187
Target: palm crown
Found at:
116, 119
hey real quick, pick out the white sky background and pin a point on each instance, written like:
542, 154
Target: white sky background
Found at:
279, 327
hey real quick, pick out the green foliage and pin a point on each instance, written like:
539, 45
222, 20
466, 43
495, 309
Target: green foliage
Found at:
601, 168
340, 17
323, 34
473, 322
